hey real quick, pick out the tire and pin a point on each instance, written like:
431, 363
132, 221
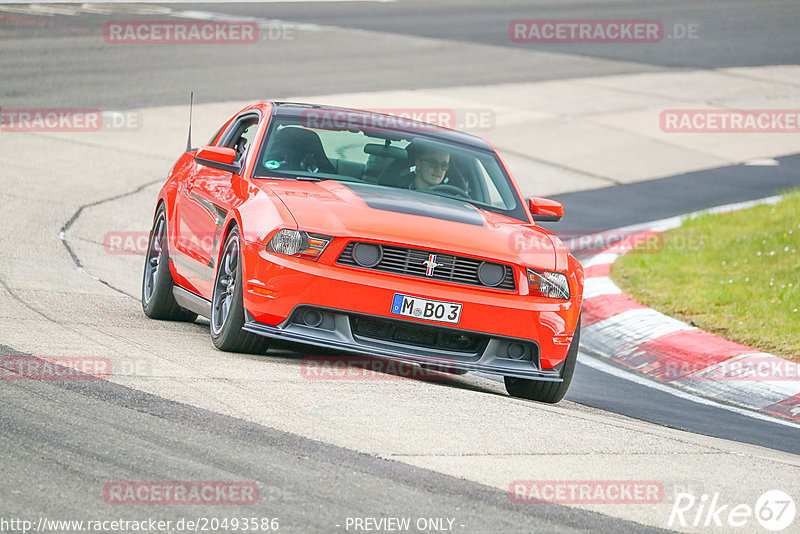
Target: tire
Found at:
227, 308
157, 299
550, 392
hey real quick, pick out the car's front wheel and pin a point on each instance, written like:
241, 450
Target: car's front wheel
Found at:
550, 392
227, 308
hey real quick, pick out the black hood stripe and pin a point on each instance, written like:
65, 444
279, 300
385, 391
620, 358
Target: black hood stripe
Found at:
414, 203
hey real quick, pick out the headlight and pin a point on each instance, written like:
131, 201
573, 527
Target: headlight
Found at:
298, 243
547, 284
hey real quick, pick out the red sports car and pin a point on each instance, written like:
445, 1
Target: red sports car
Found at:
366, 233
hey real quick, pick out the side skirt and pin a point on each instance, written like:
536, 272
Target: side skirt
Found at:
192, 302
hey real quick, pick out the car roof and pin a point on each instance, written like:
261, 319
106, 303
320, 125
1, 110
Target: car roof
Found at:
296, 110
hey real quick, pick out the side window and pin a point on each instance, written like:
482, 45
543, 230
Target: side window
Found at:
495, 198
242, 134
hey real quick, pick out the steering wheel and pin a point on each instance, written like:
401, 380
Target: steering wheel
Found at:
448, 189
309, 163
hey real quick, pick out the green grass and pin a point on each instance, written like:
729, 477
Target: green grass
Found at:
736, 275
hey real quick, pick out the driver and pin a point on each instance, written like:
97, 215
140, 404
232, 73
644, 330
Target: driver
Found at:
431, 166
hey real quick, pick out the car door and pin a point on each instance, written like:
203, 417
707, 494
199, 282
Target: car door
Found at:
203, 205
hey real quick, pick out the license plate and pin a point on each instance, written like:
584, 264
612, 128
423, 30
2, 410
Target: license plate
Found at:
432, 310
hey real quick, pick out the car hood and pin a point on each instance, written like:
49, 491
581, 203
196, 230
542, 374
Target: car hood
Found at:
398, 216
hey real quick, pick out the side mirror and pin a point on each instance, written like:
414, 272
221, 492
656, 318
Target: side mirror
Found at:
217, 157
545, 210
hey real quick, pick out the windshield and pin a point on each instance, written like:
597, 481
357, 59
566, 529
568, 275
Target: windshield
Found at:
411, 160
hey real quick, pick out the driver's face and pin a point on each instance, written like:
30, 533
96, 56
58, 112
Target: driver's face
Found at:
431, 168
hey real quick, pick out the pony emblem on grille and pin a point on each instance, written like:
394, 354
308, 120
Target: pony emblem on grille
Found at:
431, 265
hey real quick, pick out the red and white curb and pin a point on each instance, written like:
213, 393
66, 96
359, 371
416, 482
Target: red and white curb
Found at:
621, 329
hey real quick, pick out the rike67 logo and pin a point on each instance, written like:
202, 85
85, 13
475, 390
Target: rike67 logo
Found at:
774, 511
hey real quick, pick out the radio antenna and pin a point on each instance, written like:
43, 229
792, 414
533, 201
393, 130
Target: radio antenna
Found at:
189, 140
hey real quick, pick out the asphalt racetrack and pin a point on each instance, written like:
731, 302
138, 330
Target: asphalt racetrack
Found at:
336, 456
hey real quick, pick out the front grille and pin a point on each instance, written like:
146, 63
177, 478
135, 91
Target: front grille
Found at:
410, 261
413, 334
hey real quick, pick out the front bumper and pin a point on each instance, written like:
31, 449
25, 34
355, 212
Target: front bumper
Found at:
342, 330
276, 287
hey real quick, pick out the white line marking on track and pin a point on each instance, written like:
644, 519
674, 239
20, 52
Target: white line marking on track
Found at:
613, 370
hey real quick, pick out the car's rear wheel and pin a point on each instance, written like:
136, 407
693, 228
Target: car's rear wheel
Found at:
550, 392
227, 308
157, 299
